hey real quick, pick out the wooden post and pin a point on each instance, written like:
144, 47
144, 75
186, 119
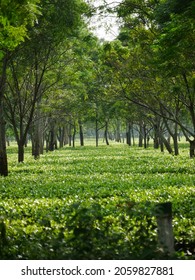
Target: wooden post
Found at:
165, 230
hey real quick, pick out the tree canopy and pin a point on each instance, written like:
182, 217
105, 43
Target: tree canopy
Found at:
57, 76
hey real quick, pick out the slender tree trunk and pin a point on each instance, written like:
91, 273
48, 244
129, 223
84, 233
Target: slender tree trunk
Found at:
140, 143
37, 146
106, 133
175, 144
47, 142
145, 136
81, 133
129, 134
32, 143
3, 153
161, 147
118, 132
161, 143
65, 135
96, 132
61, 136
192, 148
38, 132
7, 141
192, 143
51, 140
175, 140
166, 143
70, 135
37, 140
20, 151
52, 136
73, 136
148, 140
156, 137
133, 137
174, 134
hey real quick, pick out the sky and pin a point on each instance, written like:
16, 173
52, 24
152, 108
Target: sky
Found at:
105, 27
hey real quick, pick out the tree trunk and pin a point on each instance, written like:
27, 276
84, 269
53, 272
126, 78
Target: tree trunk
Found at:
175, 144
174, 134
175, 140
166, 143
140, 143
70, 135
156, 137
81, 133
37, 140
106, 133
38, 133
96, 131
129, 134
133, 136
65, 134
192, 148
145, 136
20, 151
73, 136
3, 153
118, 133
165, 228
161, 144
51, 140
37, 146
47, 142
61, 136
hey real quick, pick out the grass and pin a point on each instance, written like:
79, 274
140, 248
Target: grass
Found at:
105, 195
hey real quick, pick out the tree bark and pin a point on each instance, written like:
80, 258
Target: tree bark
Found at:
70, 135
61, 136
65, 135
145, 136
38, 132
20, 151
106, 133
174, 134
3, 152
118, 132
81, 133
165, 229
156, 137
96, 132
73, 136
129, 134
192, 148
175, 144
140, 143
166, 143
51, 140
37, 145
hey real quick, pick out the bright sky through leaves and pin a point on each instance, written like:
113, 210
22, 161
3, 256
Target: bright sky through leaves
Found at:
105, 26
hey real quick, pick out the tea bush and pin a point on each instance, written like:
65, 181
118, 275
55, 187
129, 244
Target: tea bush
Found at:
95, 203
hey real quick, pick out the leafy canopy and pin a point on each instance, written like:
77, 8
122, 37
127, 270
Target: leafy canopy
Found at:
15, 16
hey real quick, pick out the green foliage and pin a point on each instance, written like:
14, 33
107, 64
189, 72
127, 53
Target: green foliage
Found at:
15, 18
95, 203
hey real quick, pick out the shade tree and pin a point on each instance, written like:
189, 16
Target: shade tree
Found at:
16, 18
36, 68
157, 43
